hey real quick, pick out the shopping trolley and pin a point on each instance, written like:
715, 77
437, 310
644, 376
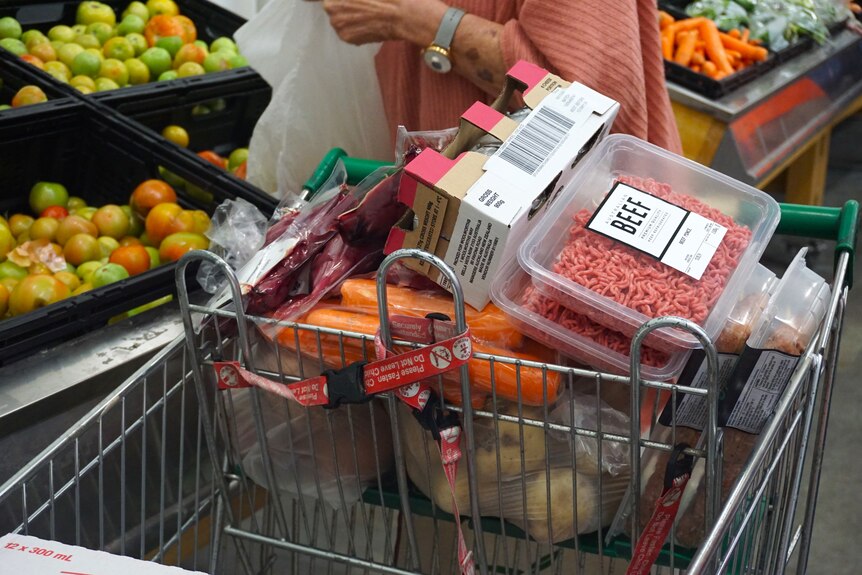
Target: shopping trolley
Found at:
161, 468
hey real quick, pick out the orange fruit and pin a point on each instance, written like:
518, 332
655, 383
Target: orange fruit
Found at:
150, 194
161, 221
34, 60
176, 134
29, 95
191, 32
161, 26
135, 259
213, 158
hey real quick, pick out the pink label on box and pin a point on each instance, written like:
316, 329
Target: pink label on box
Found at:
483, 116
429, 166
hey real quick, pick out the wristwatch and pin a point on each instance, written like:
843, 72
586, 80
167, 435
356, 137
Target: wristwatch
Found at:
437, 55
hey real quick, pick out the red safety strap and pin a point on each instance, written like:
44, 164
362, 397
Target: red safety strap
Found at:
386, 374
450, 455
657, 529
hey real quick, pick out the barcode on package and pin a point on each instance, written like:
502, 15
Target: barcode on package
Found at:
537, 138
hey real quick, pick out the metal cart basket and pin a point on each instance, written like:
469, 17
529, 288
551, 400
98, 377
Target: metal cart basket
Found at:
171, 468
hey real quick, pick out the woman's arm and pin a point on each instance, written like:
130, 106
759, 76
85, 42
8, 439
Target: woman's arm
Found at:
476, 51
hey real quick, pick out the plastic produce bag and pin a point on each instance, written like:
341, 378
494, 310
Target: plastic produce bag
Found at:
325, 94
236, 233
317, 453
519, 466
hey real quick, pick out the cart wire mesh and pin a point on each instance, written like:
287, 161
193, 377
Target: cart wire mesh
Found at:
167, 468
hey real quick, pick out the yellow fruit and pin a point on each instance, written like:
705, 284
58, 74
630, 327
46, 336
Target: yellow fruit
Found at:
71, 280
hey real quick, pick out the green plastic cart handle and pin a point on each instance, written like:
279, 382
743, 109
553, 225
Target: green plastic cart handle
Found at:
838, 224
357, 170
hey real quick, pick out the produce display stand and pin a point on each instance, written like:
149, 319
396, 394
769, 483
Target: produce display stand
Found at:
162, 478
778, 124
212, 21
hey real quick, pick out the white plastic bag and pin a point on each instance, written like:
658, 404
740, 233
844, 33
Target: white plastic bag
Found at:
325, 95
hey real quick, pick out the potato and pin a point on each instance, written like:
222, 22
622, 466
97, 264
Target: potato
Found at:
593, 513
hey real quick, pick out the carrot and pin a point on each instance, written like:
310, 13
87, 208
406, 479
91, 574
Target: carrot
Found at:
755, 53
685, 50
709, 69
735, 33
505, 375
745, 34
732, 57
714, 46
695, 68
664, 19
666, 46
697, 59
687, 24
490, 324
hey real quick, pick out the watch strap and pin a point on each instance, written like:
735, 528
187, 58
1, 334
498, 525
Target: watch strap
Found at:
446, 31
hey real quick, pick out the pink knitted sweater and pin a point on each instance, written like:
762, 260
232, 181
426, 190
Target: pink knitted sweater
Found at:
610, 45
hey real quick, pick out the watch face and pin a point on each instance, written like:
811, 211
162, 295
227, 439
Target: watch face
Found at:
437, 61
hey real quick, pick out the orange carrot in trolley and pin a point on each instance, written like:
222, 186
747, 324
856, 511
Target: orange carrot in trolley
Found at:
490, 324
667, 46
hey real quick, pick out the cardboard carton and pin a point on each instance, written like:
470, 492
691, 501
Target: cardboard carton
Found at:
472, 210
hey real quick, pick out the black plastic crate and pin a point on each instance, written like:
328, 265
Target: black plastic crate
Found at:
15, 75
211, 20
102, 160
218, 117
701, 83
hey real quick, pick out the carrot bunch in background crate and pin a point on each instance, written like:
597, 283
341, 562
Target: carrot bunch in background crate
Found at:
698, 44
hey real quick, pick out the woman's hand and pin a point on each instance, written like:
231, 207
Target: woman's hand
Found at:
475, 50
367, 21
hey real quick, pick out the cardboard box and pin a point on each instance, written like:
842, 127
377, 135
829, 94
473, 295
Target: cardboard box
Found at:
25, 555
472, 210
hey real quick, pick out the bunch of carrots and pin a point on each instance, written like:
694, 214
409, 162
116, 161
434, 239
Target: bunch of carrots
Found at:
698, 44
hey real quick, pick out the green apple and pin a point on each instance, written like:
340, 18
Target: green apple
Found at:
103, 32
138, 42
108, 245
59, 70
108, 274
155, 261
202, 44
225, 44
170, 43
79, 29
138, 9
90, 12
138, 71
43, 195
158, 60
17, 47
5, 107
168, 76
87, 41
10, 28
83, 84
190, 69
238, 61
131, 24
86, 64
12, 270
86, 269
67, 53
114, 70
237, 157
217, 62
61, 33
33, 37
57, 44
118, 49
88, 211
104, 85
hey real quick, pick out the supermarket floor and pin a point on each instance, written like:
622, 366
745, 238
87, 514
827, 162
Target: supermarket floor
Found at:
835, 547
